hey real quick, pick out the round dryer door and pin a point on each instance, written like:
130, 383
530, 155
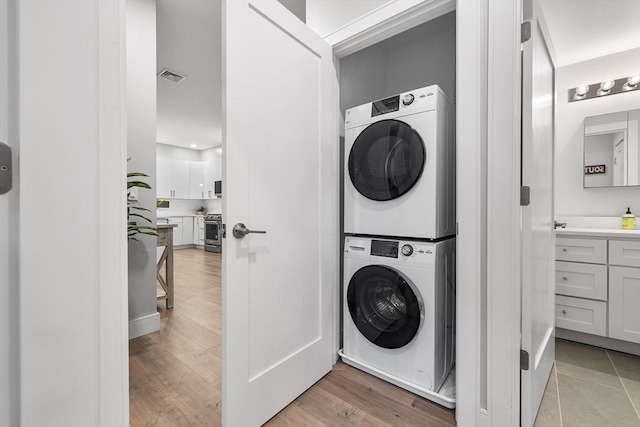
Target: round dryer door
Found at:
386, 160
384, 306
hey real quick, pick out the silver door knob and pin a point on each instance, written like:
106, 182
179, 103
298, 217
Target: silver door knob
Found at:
240, 230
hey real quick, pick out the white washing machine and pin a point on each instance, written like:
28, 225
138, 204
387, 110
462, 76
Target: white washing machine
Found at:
400, 166
399, 311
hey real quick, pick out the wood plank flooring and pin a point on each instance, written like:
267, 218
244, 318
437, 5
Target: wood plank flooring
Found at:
175, 374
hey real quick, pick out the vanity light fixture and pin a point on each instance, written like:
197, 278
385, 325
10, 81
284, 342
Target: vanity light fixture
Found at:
604, 88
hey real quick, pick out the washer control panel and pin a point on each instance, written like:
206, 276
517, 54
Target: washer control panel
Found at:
400, 252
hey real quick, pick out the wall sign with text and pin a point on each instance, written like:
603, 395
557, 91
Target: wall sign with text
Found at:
595, 169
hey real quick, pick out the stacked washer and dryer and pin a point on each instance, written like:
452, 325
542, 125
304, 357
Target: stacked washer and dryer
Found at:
399, 254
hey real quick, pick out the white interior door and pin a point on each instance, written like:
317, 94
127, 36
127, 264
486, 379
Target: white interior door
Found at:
279, 176
538, 238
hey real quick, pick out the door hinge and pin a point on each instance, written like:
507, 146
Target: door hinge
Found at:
525, 31
524, 360
525, 195
6, 172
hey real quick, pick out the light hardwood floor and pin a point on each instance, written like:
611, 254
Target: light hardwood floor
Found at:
175, 374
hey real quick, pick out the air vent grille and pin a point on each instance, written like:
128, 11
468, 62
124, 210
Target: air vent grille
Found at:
171, 76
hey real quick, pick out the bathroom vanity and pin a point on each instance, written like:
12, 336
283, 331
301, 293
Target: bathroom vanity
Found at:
598, 287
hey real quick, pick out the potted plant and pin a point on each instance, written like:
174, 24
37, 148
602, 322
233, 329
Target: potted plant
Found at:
201, 210
134, 213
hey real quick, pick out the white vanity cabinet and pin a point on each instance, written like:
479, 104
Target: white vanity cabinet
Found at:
598, 286
624, 290
581, 285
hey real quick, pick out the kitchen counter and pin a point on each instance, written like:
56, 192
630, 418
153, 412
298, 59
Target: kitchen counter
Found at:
596, 232
171, 215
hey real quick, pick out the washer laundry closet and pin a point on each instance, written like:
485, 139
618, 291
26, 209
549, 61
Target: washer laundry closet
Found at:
399, 312
400, 166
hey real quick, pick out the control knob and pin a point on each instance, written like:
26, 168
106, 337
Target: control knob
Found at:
407, 99
407, 250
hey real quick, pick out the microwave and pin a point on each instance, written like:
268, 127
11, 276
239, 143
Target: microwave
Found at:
217, 188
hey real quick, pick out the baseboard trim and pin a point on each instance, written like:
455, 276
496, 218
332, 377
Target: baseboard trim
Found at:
598, 341
144, 325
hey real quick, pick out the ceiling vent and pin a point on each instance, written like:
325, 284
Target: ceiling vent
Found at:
171, 76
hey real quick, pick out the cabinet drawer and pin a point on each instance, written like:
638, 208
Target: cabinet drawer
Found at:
624, 252
581, 280
581, 315
624, 303
581, 250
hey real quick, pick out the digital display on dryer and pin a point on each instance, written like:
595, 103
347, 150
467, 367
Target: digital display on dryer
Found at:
385, 106
384, 248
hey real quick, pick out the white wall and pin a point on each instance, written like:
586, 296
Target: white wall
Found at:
141, 137
326, 16
571, 199
419, 57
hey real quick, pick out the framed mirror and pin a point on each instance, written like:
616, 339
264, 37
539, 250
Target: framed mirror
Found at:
612, 150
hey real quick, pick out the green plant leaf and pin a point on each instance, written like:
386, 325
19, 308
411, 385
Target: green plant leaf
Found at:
140, 184
130, 174
140, 208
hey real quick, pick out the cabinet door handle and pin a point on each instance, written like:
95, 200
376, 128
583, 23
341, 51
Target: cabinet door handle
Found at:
564, 312
564, 249
564, 278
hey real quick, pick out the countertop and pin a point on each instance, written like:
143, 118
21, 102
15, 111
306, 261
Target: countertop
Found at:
598, 232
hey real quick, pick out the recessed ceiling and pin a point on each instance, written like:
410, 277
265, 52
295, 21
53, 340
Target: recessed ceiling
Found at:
586, 29
189, 43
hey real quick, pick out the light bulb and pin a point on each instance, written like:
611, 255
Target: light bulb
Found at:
582, 90
633, 80
606, 85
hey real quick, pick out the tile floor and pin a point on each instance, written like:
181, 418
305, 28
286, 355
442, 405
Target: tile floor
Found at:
591, 386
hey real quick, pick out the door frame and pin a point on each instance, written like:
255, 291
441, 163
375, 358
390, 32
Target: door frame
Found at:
488, 97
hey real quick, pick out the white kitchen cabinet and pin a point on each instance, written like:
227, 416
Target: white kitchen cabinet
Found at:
198, 231
208, 181
187, 230
172, 178
200, 180
197, 180
177, 232
164, 178
181, 179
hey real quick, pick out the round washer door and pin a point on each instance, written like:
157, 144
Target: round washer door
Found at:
384, 306
386, 160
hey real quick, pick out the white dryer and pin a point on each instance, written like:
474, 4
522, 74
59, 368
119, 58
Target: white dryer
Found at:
399, 311
400, 166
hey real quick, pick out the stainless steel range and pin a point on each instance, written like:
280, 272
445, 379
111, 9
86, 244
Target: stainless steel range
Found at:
213, 233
